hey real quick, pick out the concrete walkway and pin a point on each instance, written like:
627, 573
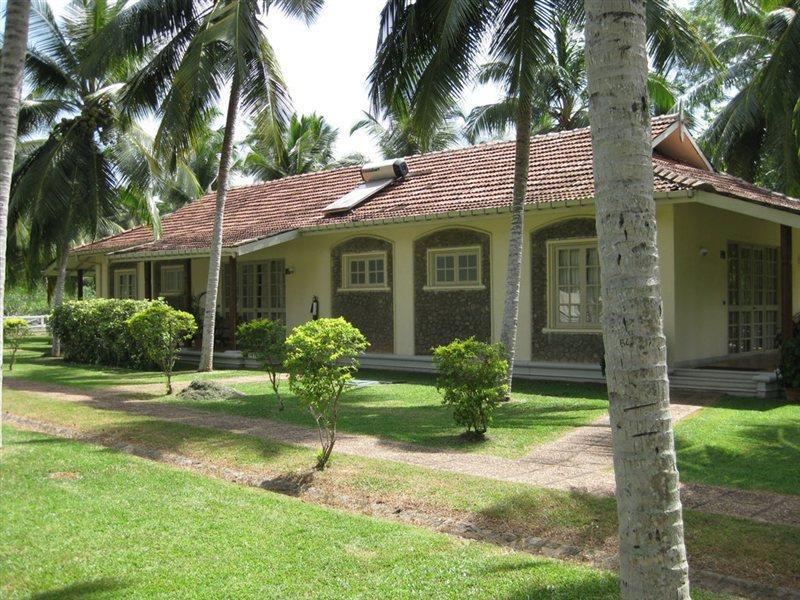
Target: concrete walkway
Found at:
578, 461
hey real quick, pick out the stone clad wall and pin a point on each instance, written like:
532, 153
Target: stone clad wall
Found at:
558, 347
371, 311
441, 316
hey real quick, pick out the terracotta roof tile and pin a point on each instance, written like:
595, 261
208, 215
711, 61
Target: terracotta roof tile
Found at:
474, 178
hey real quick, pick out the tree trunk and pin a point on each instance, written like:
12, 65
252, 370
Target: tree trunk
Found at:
516, 241
209, 317
13, 61
58, 296
652, 554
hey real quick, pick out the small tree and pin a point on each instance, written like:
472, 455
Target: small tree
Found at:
160, 330
473, 376
15, 331
265, 341
321, 357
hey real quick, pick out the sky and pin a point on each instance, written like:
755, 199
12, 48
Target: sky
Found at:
326, 64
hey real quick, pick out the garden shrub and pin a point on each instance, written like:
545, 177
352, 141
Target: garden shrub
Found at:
472, 376
15, 330
265, 341
321, 357
95, 332
160, 330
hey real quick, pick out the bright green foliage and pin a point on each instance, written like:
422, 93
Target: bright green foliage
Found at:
94, 332
472, 375
265, 341
160, 330
321, 357
789, 369
15, 330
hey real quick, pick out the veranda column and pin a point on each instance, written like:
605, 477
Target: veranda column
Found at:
787, 320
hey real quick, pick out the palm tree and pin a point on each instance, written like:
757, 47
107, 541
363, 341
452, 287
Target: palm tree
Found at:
11, 70
427, 52
754, 135
397, 135
201, 45
652, 554
561, 102
304, 146
68, 185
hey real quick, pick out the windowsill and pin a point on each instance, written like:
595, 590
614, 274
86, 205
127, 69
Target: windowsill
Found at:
566, 330
364, 289
452, 288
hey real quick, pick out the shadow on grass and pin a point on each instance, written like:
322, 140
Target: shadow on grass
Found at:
757, 457
369, 411
574, 518
83, 589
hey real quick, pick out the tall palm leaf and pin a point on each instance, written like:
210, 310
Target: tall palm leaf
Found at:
561, 102
304, 146
11, 70
200, 46
398, 135
69, 187
755, 134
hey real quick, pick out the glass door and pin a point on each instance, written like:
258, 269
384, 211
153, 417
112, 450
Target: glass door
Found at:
752, 297
262, 291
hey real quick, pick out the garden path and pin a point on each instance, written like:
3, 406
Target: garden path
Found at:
580, 460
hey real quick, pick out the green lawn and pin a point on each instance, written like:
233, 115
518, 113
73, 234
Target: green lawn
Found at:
748, 443
714, 542
82, 521
410, 409
34, 362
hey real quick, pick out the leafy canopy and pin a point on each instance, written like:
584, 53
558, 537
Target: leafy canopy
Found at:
472, 376
15, 330
160, 330
265, 341
321, 357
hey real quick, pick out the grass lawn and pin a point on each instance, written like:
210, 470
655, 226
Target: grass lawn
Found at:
80, 521
34, 362
749, 443
714, 542
410, 411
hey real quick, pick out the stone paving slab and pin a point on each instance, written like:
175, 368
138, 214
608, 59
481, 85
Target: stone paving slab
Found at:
578, 461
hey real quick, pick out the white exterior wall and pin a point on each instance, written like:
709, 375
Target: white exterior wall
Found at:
694, 287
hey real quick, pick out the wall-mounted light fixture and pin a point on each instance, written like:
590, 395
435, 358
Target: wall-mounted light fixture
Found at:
703, 251
289, 271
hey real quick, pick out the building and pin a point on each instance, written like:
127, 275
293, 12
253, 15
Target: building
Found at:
421, 259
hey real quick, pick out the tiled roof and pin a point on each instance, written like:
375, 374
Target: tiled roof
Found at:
474, 178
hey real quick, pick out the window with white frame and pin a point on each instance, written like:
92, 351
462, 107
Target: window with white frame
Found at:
364, 271
172, 280
125, 283
454, 267
262, 290
574, 285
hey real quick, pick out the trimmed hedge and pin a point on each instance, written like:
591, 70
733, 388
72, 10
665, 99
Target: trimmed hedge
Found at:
95, 332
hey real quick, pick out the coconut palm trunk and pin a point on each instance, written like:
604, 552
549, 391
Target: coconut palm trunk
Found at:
13, 62
516, 241
58, 293
652, 554
210, 314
